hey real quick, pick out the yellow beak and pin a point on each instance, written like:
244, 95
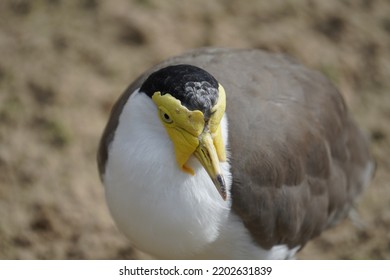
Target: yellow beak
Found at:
190, 137
208, 157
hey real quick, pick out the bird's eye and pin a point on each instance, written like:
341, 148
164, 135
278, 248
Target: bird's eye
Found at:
165, 117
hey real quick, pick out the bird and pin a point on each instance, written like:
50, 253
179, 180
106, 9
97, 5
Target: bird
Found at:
223, 153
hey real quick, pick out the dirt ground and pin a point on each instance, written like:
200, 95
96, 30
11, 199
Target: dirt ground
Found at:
63, 64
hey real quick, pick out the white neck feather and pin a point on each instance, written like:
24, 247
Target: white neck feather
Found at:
164, 211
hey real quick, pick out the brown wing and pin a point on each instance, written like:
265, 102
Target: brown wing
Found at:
296, 156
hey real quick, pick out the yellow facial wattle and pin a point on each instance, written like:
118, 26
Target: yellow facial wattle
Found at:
215, 124
187, 129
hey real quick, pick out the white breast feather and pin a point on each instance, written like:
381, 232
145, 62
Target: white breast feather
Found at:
164, 211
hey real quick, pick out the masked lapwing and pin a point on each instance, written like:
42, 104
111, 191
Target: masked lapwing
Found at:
230, 154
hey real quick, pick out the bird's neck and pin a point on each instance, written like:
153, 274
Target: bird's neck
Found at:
160, 207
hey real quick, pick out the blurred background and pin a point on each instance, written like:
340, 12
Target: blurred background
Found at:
64, 63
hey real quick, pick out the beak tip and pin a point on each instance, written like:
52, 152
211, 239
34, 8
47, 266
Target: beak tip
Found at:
222, 186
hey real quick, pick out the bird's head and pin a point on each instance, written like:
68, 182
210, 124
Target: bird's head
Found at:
191, 104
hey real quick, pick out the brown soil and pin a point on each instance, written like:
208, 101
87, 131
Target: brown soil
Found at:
63, 64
